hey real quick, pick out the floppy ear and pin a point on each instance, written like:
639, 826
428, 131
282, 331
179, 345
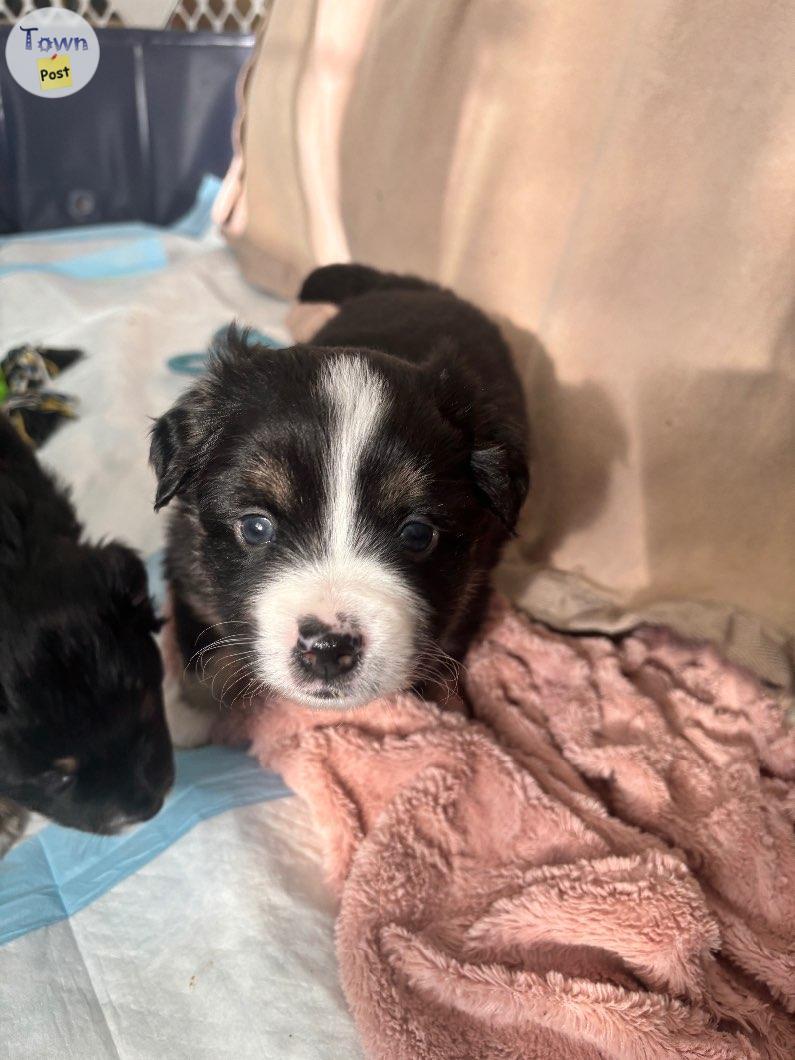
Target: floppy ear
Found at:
502, 475
183, 437
170, 453
498, 459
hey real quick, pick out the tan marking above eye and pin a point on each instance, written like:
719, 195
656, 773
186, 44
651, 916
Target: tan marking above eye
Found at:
272, 479
404, 484
66, 765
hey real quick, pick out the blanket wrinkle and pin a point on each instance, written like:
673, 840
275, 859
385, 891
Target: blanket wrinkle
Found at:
594, 905
596, 863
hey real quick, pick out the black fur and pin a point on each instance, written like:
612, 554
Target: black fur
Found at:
455, 410
80, 672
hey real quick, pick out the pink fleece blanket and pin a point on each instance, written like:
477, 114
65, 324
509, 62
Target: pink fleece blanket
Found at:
601, 864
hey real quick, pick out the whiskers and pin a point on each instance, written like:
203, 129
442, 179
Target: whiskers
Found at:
231, 665
229, 659
436, 667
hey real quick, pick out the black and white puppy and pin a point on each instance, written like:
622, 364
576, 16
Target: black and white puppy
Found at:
83, 738
341, 504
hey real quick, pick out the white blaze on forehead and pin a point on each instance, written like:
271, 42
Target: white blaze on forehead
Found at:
341, 579
358, 401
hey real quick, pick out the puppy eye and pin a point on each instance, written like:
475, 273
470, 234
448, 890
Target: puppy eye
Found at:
418, 538
256, 529
54, 782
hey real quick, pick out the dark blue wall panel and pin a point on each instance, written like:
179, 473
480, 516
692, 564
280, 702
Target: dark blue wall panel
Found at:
133, 144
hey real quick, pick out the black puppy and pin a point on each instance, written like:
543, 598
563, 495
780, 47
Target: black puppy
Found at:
83, 738
341, 505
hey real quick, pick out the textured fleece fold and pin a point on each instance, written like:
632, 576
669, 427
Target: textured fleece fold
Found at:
598, 862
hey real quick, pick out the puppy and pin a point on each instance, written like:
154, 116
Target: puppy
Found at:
83, 738
339, 505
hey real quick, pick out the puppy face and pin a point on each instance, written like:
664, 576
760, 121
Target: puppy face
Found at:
83, 738
338, 508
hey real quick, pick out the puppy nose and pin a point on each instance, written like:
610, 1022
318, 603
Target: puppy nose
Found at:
329, 655
146, 807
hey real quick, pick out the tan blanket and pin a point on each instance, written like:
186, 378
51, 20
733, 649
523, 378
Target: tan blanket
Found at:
617, 180
600, 864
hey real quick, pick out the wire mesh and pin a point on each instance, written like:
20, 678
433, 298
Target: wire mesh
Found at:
217, 16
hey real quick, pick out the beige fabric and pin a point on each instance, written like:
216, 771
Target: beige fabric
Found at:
616, 179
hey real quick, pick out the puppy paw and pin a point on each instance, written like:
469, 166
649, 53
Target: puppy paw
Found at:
189, 723
12, 824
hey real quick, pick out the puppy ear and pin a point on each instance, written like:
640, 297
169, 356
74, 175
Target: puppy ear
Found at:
502, 476
182, 439
170, 453
498, 460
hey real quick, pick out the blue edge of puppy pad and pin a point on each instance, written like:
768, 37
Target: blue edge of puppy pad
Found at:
58, 871
133, 247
